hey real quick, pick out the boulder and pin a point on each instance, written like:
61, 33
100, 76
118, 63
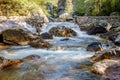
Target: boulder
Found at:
62, 31
46, 36
16, 36
117, 40
112, 73
101, 66
39, 44
106, 54
94, 46
113, 36
99, 27
8, 64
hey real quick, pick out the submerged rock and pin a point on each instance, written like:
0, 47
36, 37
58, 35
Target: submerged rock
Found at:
101, 66
31, 57
39, 44
94, 46
99, 27
16, 37
112, 73
62, 31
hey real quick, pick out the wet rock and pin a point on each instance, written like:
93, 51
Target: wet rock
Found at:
31, 57
36, 21
46, 36
9, 64
113, 36
4, 46
39, 44
117, 40
94, 46
106, 54
62, 31
101, 66
1, 59
16, 37
64, 17
65, 39
99, 27
112, 73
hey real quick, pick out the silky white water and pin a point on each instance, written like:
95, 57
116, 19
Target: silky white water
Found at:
63, 56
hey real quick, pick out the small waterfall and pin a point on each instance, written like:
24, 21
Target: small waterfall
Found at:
46, 27
27, 26
73, 26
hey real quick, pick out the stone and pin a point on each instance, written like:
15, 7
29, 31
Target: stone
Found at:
16, 37
101, 66
46, 36
113, 36
117, 40
94, 46
98, 27
62, 31
39, 44
9, 64
106, 54
112, 73
31, 57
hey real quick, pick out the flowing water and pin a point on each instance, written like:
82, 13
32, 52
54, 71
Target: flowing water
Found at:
58, 62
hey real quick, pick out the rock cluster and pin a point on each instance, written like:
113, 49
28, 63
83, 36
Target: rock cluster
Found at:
14, 34
62, 31
106, 61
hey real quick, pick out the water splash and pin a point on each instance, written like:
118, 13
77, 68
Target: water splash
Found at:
62, 57
27, 26
46, 27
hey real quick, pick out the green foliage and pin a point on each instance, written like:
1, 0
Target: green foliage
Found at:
81, 7
96, 7
21, 7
